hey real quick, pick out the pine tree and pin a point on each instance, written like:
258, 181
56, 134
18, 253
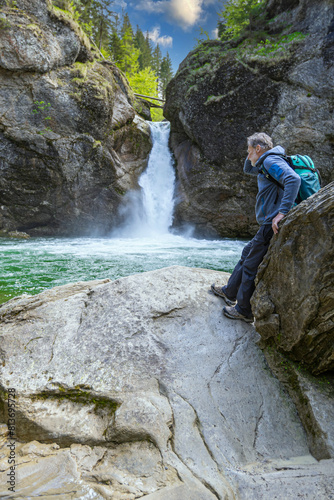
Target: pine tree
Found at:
116, 48
126, 26
129, 63
147, 52
96, 17
166, 73
156, 60
139, 41
239, 15
104, 22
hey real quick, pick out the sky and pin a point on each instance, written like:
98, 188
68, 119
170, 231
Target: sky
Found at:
174, 24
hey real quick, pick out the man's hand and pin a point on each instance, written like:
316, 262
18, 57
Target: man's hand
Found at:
276, 220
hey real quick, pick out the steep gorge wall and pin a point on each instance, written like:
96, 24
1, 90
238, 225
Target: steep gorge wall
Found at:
64, 168
224, 92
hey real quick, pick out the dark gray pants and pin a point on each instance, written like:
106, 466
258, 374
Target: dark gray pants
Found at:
241, 286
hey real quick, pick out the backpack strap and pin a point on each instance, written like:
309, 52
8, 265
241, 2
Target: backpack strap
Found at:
264, 171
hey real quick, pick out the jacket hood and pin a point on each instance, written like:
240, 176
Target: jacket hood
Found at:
276, 149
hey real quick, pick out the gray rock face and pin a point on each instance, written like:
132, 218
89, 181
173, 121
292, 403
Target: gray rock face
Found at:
313, 397
71, 142
27, 44
222, 94
151, 392
294, 302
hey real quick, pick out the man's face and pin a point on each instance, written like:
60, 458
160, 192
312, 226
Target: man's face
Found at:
254, 154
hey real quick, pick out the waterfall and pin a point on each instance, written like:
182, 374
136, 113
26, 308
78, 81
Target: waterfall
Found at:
157, 182
150, 211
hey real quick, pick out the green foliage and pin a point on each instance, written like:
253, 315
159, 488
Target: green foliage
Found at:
268, 46
144, 82
69, 11
126, 26
156, 60
116, 48
144, 45
95, 17
204, 36
147, 71
166, 73
239, 15
41, 109
129, 63
271, 46
157, 115
139, 42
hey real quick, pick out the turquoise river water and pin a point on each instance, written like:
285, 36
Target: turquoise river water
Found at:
31, 266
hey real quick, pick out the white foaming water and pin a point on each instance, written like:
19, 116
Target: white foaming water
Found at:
149, 213
158, 181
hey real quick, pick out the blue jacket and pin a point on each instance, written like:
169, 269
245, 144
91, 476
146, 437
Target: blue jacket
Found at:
268, 204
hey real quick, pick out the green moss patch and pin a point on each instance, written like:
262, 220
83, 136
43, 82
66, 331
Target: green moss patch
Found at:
78, 396
277, 46
88, 77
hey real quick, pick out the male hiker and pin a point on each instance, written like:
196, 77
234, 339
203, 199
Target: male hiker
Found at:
272, 204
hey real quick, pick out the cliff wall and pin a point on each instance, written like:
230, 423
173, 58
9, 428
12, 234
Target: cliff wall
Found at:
225, 91
71, 141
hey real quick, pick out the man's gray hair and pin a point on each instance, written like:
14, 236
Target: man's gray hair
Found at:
261, 139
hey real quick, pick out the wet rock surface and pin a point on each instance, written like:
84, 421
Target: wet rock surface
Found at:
150, 392
71, 142
222, 94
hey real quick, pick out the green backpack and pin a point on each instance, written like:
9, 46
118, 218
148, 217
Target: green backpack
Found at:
304, 167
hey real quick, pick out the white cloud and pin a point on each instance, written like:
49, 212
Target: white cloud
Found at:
152, 7
165, 41
185, 13
121, 4
214, 34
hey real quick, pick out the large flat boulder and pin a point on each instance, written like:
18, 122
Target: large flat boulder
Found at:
150, 392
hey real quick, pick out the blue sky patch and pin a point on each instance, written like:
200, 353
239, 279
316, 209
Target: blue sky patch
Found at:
174, 24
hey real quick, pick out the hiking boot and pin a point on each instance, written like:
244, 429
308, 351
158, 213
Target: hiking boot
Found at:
232, 313
219, 291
